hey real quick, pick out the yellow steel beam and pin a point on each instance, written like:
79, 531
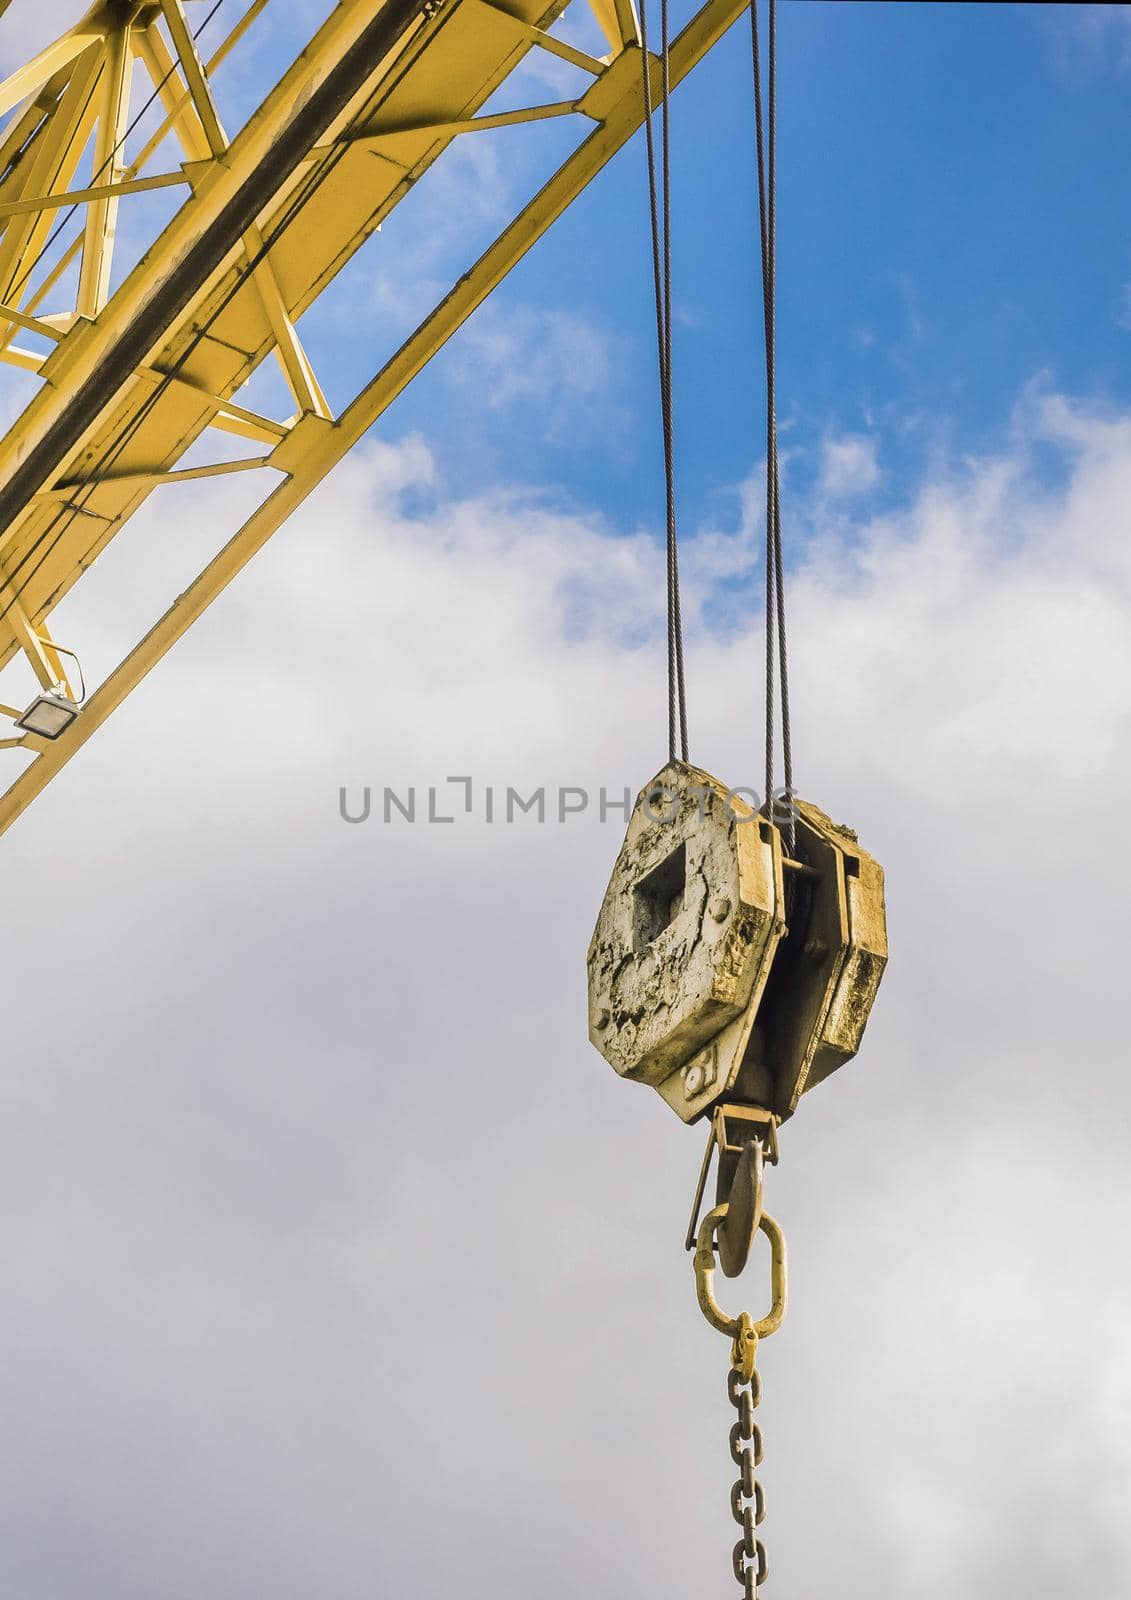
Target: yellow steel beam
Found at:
212, 469
230, 418
192, 114
27, 79
454, 67
252, 13
101, 191
30, 640
46, 284
481, 124
54, 654
293, 360
315, 445
546, 41
50, 168
90, 348
195, 76
560, 48
13, 143
609, 23
32, 324
102, 212
13, 356
181, 112
617, 21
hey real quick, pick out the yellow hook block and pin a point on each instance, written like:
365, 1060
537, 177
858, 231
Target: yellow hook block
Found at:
724, 968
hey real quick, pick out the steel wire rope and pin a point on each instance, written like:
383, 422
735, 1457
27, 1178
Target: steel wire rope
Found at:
766, 145
661, 236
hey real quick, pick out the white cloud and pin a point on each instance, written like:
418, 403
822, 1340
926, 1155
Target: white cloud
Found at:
519, 354
849, 465
338, 1261
1088, 39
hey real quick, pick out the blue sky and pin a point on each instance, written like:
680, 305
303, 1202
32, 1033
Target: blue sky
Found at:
953, 204
953, 207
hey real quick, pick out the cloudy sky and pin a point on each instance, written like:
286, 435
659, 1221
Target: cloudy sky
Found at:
337, 1263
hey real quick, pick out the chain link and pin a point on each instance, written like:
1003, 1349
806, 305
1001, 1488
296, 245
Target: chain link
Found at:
744, 1384
747, 1501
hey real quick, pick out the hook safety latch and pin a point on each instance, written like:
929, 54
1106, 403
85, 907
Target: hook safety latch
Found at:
745, 1138
705, 1264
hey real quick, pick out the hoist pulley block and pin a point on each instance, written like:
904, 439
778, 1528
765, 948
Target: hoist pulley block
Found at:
685, 939
723, 967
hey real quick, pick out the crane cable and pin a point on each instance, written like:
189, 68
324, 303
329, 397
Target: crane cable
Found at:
662, 282
659, 203
766, 140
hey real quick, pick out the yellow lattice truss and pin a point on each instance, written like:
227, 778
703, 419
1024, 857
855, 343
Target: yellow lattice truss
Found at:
110, 423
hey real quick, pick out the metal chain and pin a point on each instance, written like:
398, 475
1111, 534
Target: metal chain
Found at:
744, 1385
747, 1501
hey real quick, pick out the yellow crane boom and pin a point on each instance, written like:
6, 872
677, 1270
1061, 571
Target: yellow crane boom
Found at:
136, 378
